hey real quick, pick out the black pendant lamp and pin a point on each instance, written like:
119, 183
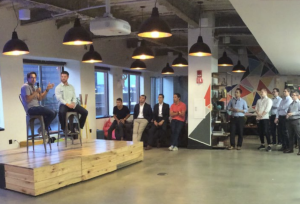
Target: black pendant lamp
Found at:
77, 35
180, 61
154, 27
91, 56
239, 68
167, 70
138, 64
143, 52
225, 61
15, 46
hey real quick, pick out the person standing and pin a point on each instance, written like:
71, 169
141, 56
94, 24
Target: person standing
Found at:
65, 94
30, 98
238, 107
281, 119
142, 116
177, 112
293, 118
161, 113
262, 109
121, 114
273, 126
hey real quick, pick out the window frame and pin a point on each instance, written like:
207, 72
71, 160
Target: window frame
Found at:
106, 81
137, 74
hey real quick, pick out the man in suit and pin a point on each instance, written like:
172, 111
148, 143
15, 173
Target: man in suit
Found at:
161, 115
142, 116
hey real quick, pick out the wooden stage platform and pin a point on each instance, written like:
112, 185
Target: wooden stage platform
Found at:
38, 172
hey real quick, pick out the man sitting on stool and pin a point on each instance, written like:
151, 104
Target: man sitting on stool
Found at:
160, 118
121, 114
65, 94
31, 97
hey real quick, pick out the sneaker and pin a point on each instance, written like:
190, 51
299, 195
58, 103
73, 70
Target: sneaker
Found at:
261, 147
171, 148
269, 149
230, 148
175, 148
238, 148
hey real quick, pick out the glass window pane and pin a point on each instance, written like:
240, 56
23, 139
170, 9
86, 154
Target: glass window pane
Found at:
134, 91
125, 90
101, 94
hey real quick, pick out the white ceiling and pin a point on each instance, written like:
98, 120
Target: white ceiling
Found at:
275, 25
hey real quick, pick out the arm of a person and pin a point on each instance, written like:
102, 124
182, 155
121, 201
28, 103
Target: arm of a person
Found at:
276, 106
245, 107
183, 111
172, 114
150, 113
58, 95
115, 117
288, 103
135, 111
167, 112
257, 108
268, 108
26, 91
229, 106
297, 112
74, 100
127, 116
43, 95
155, 115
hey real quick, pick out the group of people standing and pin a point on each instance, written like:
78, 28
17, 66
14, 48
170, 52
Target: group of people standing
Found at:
143, 115
281, 115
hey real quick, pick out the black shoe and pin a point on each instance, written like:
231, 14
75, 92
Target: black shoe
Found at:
288, 151
268, 149
261, 147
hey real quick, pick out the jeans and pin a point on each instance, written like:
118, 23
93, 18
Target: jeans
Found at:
283, 132
294, 131
273, 128
237, 125
63, 109
264, 127
47, 114
118, 132
155, 130
176, 127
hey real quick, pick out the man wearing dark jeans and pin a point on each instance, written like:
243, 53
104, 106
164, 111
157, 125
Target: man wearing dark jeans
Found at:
273, 126
65, 94
31, 96
262, 109
121, 114
161, 114
177, 112
238, 107
281, 119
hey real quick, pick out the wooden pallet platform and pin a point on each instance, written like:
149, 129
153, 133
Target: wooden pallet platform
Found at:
38, 172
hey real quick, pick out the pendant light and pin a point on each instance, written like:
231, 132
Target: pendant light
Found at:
77, 35
225, 61
143, 52
239, 68
91, 56
138, 64
15, 46
200, 49
180, 61
167, 69
154, 27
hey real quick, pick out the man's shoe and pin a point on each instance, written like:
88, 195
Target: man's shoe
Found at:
175, 148
261, 147
298, 153
171, 148
288, 151
268, 149
238, 148
148, 147
230, 148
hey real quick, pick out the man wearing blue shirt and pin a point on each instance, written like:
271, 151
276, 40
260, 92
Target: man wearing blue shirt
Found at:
273, 127
281, 119
238, 107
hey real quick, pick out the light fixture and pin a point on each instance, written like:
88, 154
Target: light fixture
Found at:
91, 56
154, 27
167, 69
200, 49
138, 64
225, 61
77, 35
180, 61
143, 52
239, 68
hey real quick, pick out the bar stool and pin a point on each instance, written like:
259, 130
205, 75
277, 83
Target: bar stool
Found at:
69, 117
30, 125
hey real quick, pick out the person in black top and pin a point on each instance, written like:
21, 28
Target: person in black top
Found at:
121, 114
161, 113
142, 116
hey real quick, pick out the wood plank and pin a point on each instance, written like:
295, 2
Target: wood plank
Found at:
20, 189
129, 157
20, 170
21, 183
97, 171
18, 176
98, 159
130, 162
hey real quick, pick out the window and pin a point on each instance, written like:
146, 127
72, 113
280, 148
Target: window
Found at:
131, 89
163, 85
156, 88
46, 74
101, 91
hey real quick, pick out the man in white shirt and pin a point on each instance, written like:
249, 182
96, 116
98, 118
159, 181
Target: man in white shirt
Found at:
262, 109
273, 127
65, 94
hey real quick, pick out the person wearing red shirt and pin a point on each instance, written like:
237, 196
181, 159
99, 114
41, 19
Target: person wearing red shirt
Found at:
177, 112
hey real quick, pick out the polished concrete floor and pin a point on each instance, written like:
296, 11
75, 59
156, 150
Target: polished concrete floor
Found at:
188, 176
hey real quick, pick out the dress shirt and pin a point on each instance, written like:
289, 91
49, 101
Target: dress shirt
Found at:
141, 114
238, 104
276, 101
264, 105
294, 108
284, 106
65, 94
160, 106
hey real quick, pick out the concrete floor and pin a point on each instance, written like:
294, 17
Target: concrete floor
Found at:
192, 176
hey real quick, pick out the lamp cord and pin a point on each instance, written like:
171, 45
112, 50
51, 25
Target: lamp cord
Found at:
200, 19
155, 3
13, 5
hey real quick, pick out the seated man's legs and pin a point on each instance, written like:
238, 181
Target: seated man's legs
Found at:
142, 126
83, 114
119, 131
152, 135
47, 114
111, 128
63, 109
136, 124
